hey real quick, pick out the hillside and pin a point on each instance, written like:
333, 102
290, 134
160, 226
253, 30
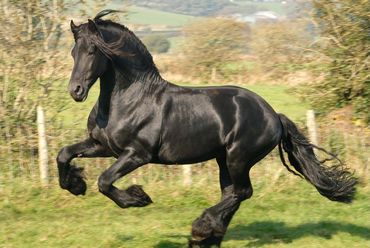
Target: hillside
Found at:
217, 7
179, 13
189, 7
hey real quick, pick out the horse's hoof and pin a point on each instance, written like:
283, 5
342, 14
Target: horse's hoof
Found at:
76, 184
206, 232
138, 195
205, 243
193, 243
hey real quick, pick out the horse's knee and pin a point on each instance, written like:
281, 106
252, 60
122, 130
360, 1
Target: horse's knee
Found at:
64, 156
103, 184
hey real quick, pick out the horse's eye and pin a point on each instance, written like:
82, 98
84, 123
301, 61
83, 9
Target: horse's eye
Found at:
92, 49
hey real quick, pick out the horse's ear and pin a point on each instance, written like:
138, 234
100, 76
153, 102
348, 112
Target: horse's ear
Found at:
92, 27
73, 27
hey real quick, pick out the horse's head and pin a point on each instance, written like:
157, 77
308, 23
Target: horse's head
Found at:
101, 43
89, 62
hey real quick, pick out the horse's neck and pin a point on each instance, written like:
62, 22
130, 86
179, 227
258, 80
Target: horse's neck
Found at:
107, 86
115, 87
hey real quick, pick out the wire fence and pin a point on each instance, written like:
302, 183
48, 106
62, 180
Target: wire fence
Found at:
20, 160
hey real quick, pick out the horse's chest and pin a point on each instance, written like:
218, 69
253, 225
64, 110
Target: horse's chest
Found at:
100, 135
112, 138
97, 127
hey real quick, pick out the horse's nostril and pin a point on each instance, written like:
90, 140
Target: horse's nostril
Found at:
78, 90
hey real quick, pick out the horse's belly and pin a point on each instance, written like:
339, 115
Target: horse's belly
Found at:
187, 158
189, 150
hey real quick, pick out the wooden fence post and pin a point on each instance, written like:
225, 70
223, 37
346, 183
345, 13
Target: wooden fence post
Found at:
186, 172
311, 125
43, 150
213, 74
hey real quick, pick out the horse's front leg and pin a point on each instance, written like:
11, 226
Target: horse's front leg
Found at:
133, 196
70, 177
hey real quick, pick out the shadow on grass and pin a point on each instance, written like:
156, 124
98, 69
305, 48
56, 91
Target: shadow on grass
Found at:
169, 244
269, 232
124, 238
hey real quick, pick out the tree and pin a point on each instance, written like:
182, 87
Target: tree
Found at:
35, 63
212, 43
31, 62
280, 46
344, 38
157, 43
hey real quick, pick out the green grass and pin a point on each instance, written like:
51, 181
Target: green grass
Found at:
278, 7
282, 100
292, 215
136, 14
141, 15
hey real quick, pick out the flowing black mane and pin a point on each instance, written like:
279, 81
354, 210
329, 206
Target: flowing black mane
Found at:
123, 47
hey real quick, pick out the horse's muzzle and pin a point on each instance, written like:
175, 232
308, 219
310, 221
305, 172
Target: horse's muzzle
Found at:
78, 93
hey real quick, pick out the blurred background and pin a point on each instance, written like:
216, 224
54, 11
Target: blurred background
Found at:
299, 55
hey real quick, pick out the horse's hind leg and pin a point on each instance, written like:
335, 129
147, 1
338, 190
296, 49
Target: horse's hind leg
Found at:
70, 177
226, 184
210, 228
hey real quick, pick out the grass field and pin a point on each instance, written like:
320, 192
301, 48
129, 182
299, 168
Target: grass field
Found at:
292, 214
284, 211
278, 7
141, 15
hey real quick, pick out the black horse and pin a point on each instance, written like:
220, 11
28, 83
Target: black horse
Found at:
140, 118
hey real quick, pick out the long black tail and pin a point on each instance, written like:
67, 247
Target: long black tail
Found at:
334, 182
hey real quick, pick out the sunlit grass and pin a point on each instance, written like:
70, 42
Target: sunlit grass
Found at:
141, 15
282, 100
278, 7
291, 214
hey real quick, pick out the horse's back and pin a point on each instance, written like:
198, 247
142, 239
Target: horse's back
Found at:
239, 105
